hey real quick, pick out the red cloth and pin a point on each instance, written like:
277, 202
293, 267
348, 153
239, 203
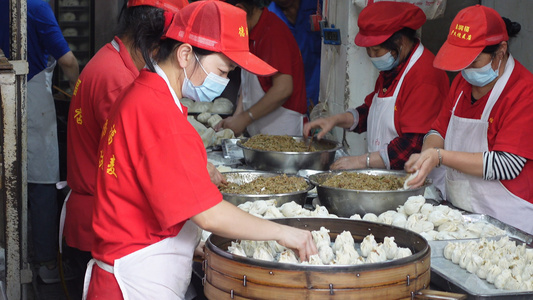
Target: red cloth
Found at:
509, 122
106, 75
379, 21
220, 27
472, 29
153, 175
172, 6
103, 285
272, 41
419, 102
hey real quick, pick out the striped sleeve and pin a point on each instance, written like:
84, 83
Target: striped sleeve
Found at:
499, 165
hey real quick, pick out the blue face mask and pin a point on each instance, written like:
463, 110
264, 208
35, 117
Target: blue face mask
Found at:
385, 62
212, 87
480, 76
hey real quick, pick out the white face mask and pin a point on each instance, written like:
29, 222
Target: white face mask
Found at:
481, 76
211, 88
386, 62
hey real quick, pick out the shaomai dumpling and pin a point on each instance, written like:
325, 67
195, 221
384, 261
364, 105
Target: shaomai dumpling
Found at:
345, 238
263, 253
288, 256
346, 255
368, 244
413, 204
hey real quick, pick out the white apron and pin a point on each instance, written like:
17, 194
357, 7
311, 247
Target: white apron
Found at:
380, 122
279, 122
163, 269
43, 148
473, 193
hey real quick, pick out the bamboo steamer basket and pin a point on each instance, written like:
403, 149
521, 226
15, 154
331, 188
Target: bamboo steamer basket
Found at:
228, 276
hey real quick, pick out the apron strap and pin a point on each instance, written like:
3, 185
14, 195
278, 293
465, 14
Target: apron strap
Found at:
414, 58
498, 88
87, 278
62, 221
456, 101
89, 273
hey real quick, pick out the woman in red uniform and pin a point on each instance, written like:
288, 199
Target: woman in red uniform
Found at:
408, 94
481, 134
153, 190
107, 74
270, 104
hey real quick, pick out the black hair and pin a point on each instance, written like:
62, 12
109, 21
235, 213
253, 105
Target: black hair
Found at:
144, 25
168, 46
513, 28
393, 42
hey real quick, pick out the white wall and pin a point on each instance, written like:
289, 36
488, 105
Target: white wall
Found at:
347, 75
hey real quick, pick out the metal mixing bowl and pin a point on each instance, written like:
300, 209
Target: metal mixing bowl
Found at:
345, 203
292, 162
241, 177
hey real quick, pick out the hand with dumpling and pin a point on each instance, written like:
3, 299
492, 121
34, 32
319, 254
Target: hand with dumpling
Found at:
423, 163
238, 123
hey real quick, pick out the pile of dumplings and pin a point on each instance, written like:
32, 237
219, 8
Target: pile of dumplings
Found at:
218, 106
342, 252
501, 262
439, 222
204, 124
267, 209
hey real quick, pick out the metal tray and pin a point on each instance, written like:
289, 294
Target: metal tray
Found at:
451, 277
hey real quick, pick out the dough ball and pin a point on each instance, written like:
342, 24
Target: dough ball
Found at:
199, 127
224, 134
208, 137
200, 107
68, 17
187, 102
214, 120
222, 106
203, 117
70, 32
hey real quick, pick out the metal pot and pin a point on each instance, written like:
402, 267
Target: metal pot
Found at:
291, 162
241, 177
345, 203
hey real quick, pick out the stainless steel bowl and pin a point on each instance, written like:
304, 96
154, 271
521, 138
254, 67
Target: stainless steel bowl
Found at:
241, 177
345, 203
292, 162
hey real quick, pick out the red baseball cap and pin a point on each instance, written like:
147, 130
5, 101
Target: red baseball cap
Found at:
379, 21
168, 5
473, 29
220, 27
